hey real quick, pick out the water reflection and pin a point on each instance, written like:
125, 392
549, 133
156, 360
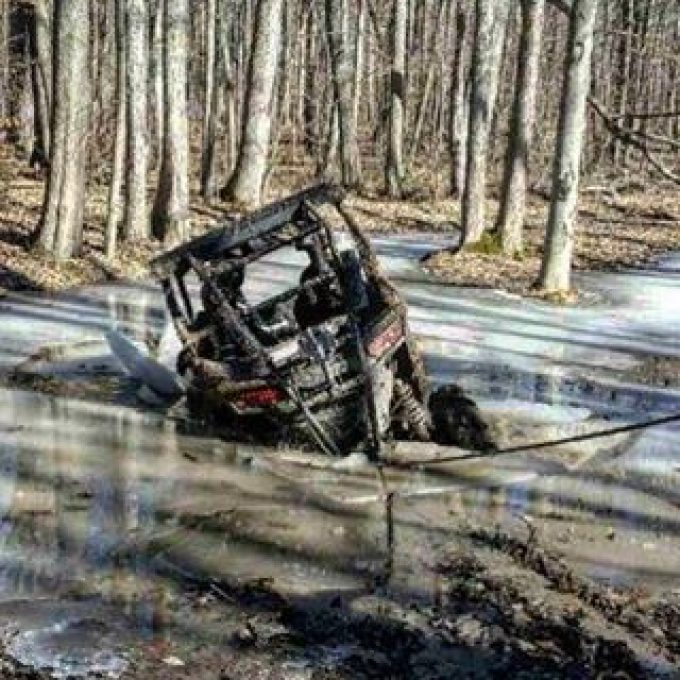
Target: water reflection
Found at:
97, 498
107, 504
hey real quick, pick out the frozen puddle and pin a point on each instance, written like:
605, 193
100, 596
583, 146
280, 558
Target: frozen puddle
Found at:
107, 511
68, 639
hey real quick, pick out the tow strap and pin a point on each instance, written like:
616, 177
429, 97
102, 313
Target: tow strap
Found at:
600, 434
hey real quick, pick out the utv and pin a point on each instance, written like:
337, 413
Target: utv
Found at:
328, 361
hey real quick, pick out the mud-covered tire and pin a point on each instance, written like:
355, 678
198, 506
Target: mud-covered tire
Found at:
456, 421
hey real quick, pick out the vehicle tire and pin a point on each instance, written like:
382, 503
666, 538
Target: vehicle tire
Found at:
457, 422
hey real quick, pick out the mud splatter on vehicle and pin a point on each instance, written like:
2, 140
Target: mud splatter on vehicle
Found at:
328, 362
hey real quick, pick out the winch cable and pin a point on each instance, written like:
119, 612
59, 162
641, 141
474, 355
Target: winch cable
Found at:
535, 446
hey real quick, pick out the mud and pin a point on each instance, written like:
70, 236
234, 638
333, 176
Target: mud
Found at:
657, 371
182, 555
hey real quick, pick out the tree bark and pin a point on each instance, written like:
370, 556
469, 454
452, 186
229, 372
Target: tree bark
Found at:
136, 207
342, 65
114, 213
513, 200
211, 101
42, 77
247, 183
490, 28
61, 227
556, 266
228, 85
431, 62
171, 206
4, 58
156, 77
625, 62
458, 105
359, 58
395, 148
311, 104
26, 114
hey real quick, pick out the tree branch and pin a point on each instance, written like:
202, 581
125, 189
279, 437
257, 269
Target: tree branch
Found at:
629, 137
647, 116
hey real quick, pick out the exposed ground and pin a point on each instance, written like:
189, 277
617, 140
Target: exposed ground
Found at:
501, 605
614, 231
624, 228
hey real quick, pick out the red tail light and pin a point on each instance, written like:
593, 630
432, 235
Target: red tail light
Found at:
385, 339
262, 396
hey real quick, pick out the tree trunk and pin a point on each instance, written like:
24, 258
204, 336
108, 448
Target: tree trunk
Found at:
114, 212
513, 200
247, 183
342, 65
311, 104
431, 62
359, 57
490, 27
42, 78
621, 150
156, 77
211, 101
61, 225
395, 147
229, 85
556, 266
171, 207
4, 58
136, 208
458, 117
332, 141
26, 114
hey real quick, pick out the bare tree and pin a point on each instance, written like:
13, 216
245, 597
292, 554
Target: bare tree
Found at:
114, 211
556, 266
171, 207
61, 226
342, 65
156, 77
359, 58
42, 78
136, 208
4, 58
395, 147
513, 200
491, 20
227, 83
458, 106
311, 105
247, 182
211, 101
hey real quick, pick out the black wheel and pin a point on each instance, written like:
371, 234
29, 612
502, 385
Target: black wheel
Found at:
456, 421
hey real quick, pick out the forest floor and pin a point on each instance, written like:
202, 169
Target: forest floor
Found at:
616, 229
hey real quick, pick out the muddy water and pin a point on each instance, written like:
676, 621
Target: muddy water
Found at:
109, 509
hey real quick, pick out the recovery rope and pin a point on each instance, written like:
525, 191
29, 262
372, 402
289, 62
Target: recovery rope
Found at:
489, 453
